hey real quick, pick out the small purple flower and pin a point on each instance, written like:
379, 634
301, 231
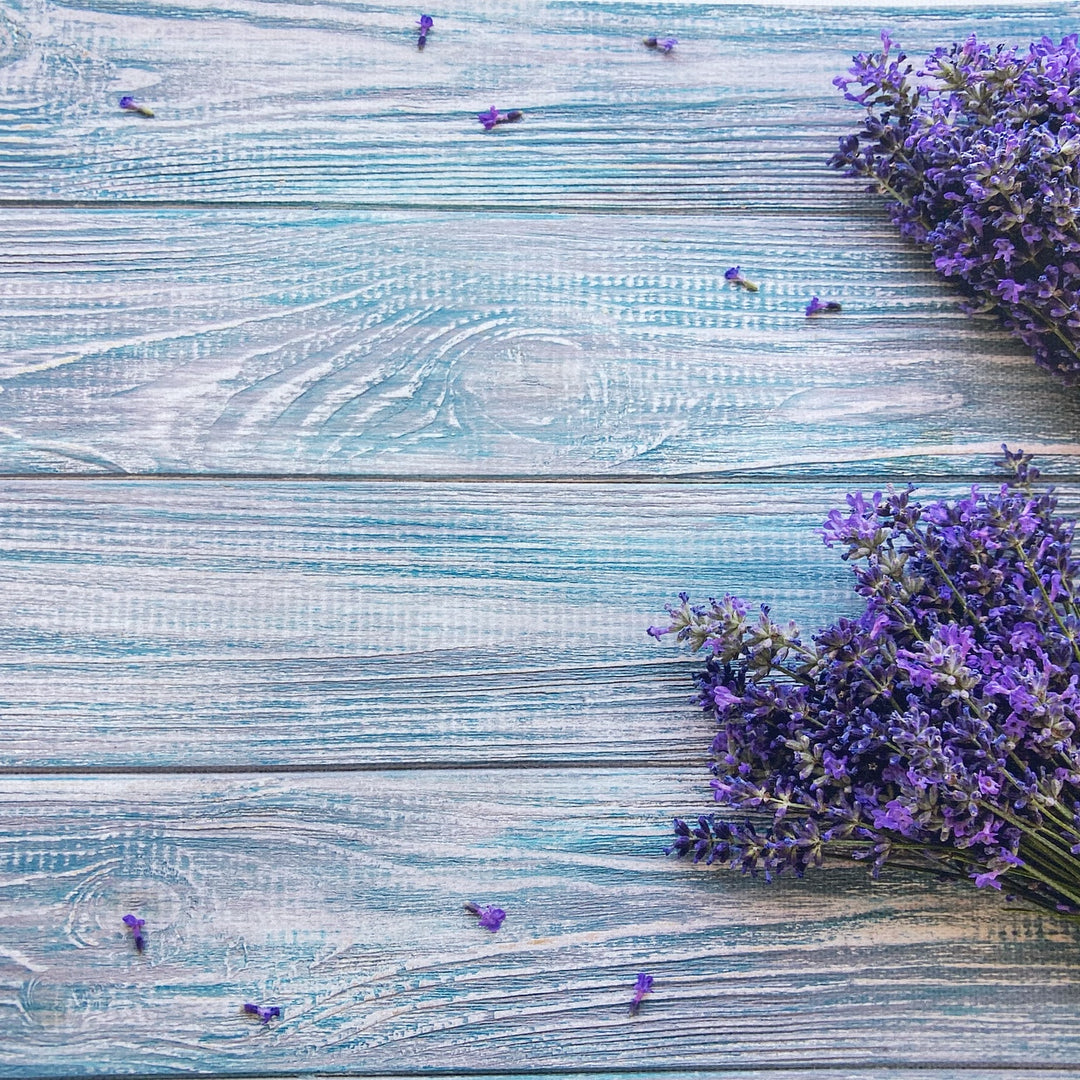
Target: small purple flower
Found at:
664, 45
135, 925
265, 1013
493, 117
426, 22
491, 917
816, 306
642, 987
734, 275
129, 104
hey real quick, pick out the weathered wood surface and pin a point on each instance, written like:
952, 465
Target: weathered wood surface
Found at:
390, 344
226, 624
260, 100
338, 898
335, 273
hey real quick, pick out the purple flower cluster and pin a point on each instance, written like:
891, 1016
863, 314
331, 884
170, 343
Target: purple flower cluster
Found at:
138, 935
936, 731
492, 118
979, 154
491, 917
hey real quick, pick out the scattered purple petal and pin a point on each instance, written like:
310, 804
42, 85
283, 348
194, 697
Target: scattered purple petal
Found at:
425, 22
817, 306
491, 918
642, 987
493, 117
735, 276
135, 925
129, 104
264, 1012
664, 45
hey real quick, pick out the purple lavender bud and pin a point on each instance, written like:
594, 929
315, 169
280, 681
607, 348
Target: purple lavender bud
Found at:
129, 104
426, 22
263, 1012
135, 925
489, 119
664, 45
642, 987
491, 918
815, 306
734, 275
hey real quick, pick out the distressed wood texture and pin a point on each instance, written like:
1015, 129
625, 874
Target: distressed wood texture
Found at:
338, 898
216, 624
288, 101
454, 344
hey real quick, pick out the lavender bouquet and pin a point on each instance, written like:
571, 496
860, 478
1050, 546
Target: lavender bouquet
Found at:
936, 731
978, 154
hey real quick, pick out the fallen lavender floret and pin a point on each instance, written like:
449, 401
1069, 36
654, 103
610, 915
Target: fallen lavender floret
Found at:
265, 1013
129, 104
936, 731
642, 987
425, 22
135, 925
816, 306
734, 274
978, 155
493, 117
664, 45
491, 918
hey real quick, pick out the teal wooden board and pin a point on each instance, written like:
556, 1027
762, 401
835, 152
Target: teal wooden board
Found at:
338, 898
260, 101
461, 344
230, 625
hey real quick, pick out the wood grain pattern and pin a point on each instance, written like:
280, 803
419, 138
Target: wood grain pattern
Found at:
164, 625
338, 898
390, 344
263, 100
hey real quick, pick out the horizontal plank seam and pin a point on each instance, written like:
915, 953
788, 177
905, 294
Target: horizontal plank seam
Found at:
842, 1069
663, 208
577, 764
731, 479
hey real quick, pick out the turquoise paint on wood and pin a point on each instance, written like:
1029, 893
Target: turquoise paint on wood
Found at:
460, 344
338, 897
452, 643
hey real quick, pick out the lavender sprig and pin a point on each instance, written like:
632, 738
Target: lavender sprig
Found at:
265, 1013
978, 155
642, 987
936, 731
138, 937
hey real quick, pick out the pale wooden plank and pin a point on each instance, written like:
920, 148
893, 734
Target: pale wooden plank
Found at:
271, 100
515, 345
209, 624
338, 897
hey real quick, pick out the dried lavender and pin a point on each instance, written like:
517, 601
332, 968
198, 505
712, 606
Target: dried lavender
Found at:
977, 153
138, 935
936, 731
491, 917
642, 987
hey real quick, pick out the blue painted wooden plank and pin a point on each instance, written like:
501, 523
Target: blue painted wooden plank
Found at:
260, 100
519, 345
205, 625
338, 898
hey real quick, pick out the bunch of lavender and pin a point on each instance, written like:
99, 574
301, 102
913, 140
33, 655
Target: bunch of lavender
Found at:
978, 153
936, 731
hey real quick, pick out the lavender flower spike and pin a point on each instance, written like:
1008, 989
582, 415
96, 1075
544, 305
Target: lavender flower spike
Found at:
129, 104
426, 22
135, 925
491, 918
642, 987
734, 275
816, 306
264, 1012
664, 45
